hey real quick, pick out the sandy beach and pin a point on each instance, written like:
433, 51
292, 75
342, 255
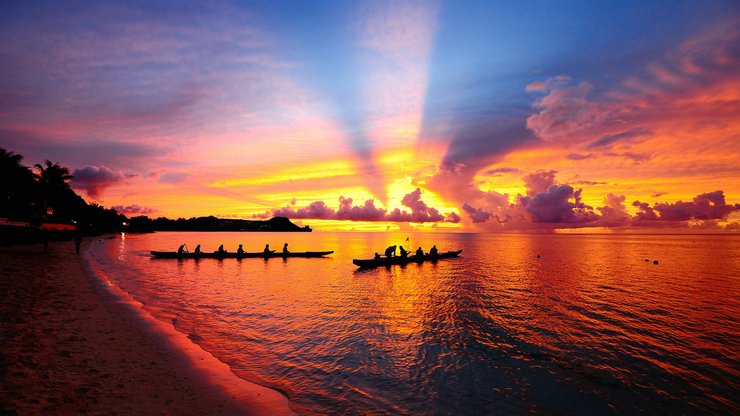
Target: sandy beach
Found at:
71, 345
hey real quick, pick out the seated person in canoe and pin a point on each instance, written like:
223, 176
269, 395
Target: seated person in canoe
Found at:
404, 253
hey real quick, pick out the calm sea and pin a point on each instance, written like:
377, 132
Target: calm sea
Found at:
588, 327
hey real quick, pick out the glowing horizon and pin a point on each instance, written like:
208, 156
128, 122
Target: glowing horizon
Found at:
427, 115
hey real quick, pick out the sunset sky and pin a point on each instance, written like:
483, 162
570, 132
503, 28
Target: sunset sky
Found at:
457, 115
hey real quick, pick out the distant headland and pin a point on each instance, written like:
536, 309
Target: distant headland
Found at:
276, 224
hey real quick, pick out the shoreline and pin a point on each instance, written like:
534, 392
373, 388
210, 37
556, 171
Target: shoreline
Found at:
77, 344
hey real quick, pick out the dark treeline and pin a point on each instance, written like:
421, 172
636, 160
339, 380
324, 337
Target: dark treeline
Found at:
146, 224
44, 196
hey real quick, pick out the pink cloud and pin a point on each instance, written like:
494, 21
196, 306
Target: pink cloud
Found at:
539, 181
614, 212
365, 212
564, 112
695, 82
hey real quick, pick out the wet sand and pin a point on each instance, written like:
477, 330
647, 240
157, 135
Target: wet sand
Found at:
72, 345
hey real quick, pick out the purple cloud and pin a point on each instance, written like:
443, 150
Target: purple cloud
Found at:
560, 203
577, 156
708, 206
629, 135
614, 212
502, 170
478, 215
95, 179
420, 211
365, 212
133, 210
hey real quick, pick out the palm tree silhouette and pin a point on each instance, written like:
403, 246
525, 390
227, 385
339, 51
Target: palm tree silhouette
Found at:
53, 179
17, 186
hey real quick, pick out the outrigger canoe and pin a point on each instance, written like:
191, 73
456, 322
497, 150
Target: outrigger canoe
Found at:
388, 261
233, 255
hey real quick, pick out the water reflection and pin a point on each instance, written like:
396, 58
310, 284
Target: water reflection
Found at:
588, 327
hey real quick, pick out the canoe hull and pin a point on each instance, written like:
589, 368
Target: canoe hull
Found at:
227, 255
390, 261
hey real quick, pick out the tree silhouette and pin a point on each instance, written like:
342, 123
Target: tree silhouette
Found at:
17, 187
55, 191
25, 196
53, 176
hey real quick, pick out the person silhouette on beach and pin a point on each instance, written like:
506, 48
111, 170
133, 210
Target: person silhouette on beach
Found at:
390, 251
78, 242
285, 249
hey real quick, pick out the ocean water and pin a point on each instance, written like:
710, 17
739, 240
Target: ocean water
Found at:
589, 327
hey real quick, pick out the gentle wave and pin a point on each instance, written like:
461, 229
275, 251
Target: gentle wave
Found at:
588, 327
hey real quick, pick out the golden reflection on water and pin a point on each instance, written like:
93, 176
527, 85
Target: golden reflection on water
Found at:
588, 326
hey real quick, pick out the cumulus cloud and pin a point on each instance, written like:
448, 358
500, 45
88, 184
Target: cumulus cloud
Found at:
559, 203
478, 215
315, 210
133, 210
365, 212
419, 211
549, 204
452, 217
539, 181
614, 211
708, 206
95, 179
645, 213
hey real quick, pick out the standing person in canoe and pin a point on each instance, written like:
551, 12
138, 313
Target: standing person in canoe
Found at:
285, 248
404, 253
390, 251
